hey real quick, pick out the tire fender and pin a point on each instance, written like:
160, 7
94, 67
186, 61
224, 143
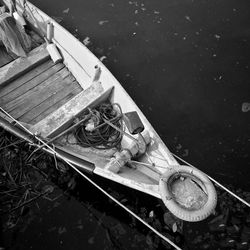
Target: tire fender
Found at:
180, 211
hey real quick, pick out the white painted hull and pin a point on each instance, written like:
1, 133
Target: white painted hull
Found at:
81, 62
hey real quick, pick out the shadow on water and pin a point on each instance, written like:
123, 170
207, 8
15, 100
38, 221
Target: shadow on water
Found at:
193, 58
67, 212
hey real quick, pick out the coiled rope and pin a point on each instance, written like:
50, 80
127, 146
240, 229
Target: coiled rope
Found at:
94, 184
101, 135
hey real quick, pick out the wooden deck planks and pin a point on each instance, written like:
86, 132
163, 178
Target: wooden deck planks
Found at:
36, 95
41, 111
53, 97
22, 65
28, 81
58, 120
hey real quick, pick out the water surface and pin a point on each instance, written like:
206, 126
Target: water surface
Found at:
186, 64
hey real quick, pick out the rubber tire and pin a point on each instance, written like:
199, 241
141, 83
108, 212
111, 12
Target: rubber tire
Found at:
178, 210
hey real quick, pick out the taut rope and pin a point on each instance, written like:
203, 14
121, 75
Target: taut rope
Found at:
96, 185
216, 182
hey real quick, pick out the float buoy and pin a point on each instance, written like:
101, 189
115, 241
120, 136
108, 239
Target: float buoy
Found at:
188, 193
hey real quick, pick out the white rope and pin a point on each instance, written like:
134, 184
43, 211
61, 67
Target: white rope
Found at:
152, 165
216, 182
97, 186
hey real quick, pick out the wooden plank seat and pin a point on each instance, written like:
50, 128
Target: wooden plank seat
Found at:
21, 65
61, 118
36, 88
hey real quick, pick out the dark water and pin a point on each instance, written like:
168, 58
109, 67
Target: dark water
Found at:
186, 64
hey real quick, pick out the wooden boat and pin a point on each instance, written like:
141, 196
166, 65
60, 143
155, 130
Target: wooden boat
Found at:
49, 99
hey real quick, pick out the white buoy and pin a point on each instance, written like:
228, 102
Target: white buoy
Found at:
54, 53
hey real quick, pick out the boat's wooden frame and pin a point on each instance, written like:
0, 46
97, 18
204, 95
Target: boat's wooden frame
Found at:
82, 63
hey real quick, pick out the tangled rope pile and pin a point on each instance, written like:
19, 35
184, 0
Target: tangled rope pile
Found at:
98, 134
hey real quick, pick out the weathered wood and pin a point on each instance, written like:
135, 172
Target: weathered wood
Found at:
38, 91
4, 56
44, 96
22, 65
52, 109
51, 104
62, 117
39, 96
36, 98
26, 77
31, 85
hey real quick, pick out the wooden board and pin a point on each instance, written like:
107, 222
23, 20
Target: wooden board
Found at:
22, 65
52, 102
33, 97
23, 85
39, 116
26, 97
25, 78
59, 119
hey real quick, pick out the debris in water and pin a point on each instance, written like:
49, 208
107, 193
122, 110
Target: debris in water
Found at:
72, 183
62, 167
80, 227
118, 229
103, 22
91, 240
217, 36
174, 227
245, 107
188, 18
58, 19
62, 230
172, 222
102, 58
186, 151
151, 214
86, 41
66, 11
51, 229
149, 240
48, 189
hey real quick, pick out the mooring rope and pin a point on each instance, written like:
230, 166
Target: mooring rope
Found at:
96, 185
212, 179
216, 182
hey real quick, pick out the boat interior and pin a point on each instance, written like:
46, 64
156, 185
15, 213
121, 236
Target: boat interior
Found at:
32, 87
66, 104
46, 98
